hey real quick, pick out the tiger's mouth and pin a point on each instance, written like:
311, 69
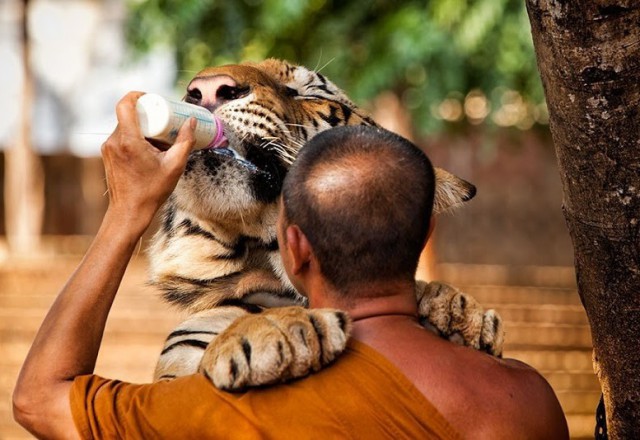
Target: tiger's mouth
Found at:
242, 161
232, 154
248, 154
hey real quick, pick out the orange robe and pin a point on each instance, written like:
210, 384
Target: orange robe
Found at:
361, 396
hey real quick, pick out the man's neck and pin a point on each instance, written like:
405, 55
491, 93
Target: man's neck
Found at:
380, 299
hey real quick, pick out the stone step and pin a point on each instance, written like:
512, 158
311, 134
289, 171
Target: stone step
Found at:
581, 426
145, 298
559, 336
129, 362
540, 313
579, 402
19, 321
522, 295
546, 361
10, 430
485, 274
133, 296
45, 276
572, 381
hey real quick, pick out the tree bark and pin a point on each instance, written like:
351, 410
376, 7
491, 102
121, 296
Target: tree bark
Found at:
588, 54
24, 179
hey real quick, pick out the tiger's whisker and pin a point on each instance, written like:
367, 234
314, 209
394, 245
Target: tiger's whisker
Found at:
297, 125
325, 65
319, 60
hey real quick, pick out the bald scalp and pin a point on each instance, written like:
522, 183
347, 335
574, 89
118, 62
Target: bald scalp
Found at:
355, 175
363, 197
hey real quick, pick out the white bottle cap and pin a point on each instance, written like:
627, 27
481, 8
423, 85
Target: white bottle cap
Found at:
154, 115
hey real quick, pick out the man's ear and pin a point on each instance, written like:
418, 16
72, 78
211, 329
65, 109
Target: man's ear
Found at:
299, 249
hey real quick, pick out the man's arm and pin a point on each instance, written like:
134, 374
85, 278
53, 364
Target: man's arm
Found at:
139, 179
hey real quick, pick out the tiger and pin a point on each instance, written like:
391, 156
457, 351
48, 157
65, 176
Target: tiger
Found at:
215, 253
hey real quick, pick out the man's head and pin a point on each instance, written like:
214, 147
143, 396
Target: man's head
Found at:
362, 198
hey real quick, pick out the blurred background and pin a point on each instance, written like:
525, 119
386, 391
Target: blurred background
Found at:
456, 76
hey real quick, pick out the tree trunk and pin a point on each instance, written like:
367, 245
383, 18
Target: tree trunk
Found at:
588, 54
24, 188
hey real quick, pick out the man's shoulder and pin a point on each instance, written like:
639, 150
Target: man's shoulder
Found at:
530, 399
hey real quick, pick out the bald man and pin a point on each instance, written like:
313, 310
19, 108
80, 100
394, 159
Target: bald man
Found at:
355, 216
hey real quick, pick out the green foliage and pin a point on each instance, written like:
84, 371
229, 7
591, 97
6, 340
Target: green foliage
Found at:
425, 51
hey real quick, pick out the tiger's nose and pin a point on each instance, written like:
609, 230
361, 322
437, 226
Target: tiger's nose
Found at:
211, 92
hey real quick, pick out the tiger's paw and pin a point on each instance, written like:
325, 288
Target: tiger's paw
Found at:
458, 317
274, 346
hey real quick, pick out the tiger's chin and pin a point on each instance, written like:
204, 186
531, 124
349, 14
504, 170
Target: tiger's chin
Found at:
230, 182
224, 204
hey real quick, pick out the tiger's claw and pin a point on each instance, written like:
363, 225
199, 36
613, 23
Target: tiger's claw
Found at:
459, 317
275, 346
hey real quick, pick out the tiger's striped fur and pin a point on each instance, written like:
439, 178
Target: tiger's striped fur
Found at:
215, 254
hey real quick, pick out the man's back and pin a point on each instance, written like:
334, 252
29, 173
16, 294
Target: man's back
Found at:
481, 396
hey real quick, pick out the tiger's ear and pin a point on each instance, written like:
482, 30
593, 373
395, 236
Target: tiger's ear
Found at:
451, 191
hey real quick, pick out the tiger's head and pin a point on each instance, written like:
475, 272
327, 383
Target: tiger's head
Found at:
217, 240
269, 110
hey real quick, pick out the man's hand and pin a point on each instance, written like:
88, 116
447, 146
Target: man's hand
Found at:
139, 176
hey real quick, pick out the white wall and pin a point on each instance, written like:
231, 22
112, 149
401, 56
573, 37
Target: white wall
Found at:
80, 62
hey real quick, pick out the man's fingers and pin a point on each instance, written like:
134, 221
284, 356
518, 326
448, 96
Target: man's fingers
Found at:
126, 114
177, 155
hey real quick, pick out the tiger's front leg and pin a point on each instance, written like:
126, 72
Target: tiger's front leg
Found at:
274, 346
458, 317
185, 346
